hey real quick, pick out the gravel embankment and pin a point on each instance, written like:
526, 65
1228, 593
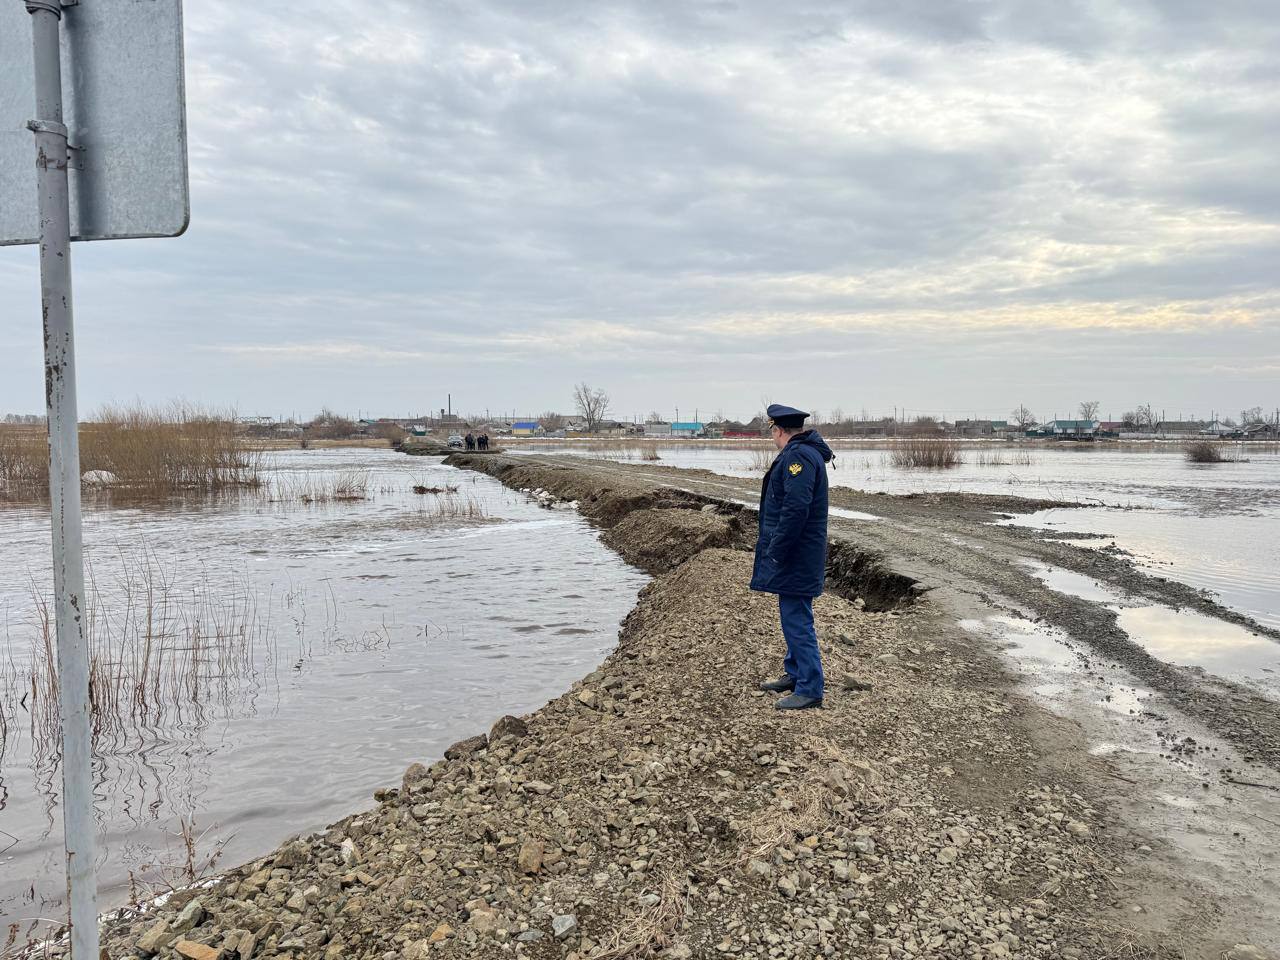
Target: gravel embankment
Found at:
662, 808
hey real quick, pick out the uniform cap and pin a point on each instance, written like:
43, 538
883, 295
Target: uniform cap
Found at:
784, 416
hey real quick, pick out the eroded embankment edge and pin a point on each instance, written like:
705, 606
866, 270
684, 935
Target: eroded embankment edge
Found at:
657, 527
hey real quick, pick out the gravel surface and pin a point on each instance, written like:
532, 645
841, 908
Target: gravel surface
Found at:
663, 808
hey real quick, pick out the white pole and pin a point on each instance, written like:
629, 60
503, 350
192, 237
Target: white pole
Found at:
64, 478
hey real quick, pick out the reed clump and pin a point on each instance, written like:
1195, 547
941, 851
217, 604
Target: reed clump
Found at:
24, 460
926, 453
1206, 451
345, 486
145, 449
155, 649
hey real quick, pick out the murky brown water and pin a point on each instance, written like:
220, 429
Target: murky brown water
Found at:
376, 632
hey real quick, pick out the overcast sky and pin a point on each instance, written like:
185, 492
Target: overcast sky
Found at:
948, 207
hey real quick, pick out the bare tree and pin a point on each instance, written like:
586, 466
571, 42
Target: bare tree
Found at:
1023, 417
592, 404
551, 421
654, 417
1089, 409
1144, 416
328, 425
1251, 416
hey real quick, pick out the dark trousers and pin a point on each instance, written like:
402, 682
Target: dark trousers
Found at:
804, 660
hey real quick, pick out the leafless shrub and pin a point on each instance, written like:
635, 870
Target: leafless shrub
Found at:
154, 449
926, 453
1204, 451
185, 860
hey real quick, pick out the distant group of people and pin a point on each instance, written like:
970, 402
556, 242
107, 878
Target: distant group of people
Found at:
474, 442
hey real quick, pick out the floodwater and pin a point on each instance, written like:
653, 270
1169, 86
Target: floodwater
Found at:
341, 641
1215, 527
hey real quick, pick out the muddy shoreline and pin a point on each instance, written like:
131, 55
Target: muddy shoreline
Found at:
662, 808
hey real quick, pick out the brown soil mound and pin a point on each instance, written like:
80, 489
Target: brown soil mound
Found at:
661, 540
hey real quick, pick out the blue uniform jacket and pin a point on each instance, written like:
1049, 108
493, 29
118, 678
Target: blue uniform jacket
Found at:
791, 552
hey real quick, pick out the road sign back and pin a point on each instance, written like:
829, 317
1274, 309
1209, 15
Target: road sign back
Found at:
123, 96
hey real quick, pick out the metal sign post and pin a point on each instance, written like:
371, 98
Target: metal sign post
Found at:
64, 476
125, 106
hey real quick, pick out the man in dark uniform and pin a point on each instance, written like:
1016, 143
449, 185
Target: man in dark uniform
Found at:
791, 551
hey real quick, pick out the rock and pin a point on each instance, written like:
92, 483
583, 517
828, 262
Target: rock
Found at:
1244, 951
958, 836
948, 855
508, 726
195, 951
787, 887
538, 786
441, 932
529, 860
293, 855
247, 944
350, 852
98, 478
484, 920
530, 936
759, 868
155, 938
412, 777
297, 902
190, 916
587, 698
859, 604
564, 925
467, 747
1077, 829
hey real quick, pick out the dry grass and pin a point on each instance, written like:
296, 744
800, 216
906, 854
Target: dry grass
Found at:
1204, 451
1002, 457
926, 453
24, 459
345, 486
761, 460
153, 650
150, 450
450, 505
653, 928
187, 859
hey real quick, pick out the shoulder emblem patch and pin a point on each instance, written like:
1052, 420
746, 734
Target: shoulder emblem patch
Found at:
795, 469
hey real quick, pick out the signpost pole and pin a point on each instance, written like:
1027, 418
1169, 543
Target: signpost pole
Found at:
64, 477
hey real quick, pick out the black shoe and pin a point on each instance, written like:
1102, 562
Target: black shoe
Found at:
798, 701
784, 684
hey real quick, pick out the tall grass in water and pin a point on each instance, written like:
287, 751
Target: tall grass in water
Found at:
161, 449
144, 449
154, 651
761, 460
1000, 457
926, 453
343, 486
1206, 451
24, 459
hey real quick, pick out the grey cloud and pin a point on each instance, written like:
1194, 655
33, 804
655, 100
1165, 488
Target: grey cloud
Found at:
627, 190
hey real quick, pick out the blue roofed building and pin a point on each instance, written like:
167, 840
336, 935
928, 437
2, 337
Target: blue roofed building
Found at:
687, 428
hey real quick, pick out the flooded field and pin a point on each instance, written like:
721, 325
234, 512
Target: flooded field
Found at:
267, 658
1214, 527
